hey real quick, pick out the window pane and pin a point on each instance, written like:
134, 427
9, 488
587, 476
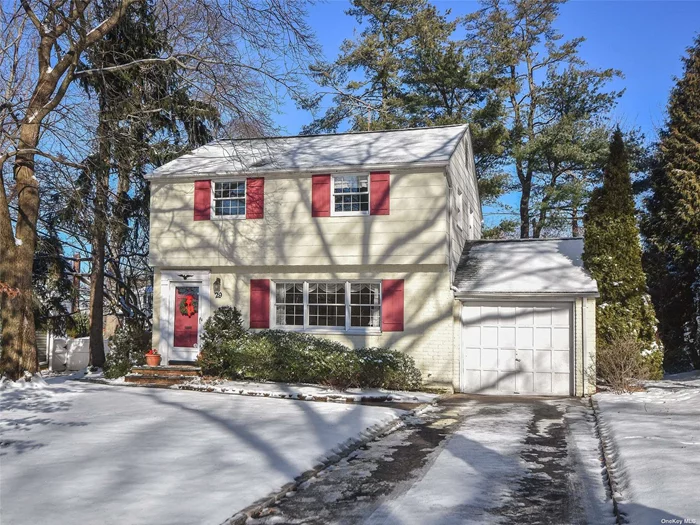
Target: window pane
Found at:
289, 304
364, 301
327, 304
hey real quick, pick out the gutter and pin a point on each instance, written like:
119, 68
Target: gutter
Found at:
194, 174
522, 295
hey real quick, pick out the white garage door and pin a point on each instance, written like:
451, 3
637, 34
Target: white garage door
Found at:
517, 348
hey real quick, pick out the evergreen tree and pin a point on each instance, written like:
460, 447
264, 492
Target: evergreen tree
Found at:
405, 69
671, 225
613, 255
555, 105
134, 106
447, 83
378, 54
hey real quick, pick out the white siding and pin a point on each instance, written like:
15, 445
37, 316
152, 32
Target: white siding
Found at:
428, 322
464, 204
413, 233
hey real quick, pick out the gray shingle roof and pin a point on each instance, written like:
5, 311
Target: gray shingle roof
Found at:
417, 146
523, 266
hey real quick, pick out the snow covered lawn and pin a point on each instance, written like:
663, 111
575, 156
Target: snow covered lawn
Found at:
653, 440
84, 453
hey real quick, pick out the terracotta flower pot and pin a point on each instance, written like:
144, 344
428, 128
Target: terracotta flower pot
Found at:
153, 360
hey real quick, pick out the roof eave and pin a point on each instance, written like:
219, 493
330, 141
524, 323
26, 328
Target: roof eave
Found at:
323, 169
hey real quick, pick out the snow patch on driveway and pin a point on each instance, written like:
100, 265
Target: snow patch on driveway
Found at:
83, 453
471, 475
653, 444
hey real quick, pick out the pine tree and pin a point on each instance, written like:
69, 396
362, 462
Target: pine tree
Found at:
378, 55
672, 223
134, 106
613, 255
555, 106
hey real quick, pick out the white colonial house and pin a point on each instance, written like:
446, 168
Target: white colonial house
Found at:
372, 239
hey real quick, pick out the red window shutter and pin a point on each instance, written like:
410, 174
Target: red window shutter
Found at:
379, 193
321, 196
202, 200
392, 305
260, 303
255, 198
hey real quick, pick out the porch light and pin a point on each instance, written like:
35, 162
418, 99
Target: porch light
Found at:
217, 285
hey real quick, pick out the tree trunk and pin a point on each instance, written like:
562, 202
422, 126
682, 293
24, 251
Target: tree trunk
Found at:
97, 280
525, 209
575, 229
17, 316
695, 329
99, 239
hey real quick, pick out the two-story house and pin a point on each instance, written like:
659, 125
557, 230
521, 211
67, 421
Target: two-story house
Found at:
371, 239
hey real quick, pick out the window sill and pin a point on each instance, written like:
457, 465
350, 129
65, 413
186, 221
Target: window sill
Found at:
227, 217
330, 331
349, 213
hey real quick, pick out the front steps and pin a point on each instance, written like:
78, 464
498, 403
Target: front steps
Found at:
162, 375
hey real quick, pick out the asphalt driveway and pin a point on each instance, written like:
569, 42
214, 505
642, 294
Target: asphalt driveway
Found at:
471, 459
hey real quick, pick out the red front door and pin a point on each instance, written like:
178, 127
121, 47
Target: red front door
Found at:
186, 325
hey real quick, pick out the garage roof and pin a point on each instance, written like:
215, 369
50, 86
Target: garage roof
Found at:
430, 147
523, 267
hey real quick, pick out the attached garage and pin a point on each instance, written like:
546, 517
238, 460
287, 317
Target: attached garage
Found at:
527, 318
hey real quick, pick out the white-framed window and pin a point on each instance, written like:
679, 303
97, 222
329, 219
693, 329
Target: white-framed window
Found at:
458, 208
365, 305
328, 306
471, 222
350, 195
228, 198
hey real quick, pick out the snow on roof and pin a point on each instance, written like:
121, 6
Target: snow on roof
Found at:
523, 266
416, 146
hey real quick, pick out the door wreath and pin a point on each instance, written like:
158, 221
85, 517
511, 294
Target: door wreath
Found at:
189, 306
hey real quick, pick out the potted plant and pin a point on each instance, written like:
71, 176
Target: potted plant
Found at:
153, 357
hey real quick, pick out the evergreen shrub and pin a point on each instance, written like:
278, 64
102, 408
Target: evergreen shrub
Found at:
128, 346
78, 326
230, 352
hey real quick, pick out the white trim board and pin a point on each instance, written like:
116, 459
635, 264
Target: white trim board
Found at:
165, 322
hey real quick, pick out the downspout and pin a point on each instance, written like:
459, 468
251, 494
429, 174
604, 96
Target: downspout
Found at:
448, 179
49, 350
584, 322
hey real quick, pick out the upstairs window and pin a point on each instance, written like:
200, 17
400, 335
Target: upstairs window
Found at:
229, 199
350, 195
471, 222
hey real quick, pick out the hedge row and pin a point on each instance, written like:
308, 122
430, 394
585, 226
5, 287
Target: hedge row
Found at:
230, 352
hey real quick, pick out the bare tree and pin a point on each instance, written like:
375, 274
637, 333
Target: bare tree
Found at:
236, 55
